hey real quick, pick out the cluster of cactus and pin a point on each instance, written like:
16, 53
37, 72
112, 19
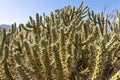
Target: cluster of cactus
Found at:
70, 44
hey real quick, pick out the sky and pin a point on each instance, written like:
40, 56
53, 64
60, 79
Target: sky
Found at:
19, 10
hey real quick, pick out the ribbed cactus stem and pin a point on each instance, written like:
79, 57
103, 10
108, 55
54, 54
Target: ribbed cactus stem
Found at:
53, 19
76, 43
97, 74
85, 29
19, 67
54, 36
63, 18
17, 57
30, 56
100, 25
116, 76
13, 28
37, 62
62, 39
58, 63
7, 72
20, 28
25, 28
3, 42
28, 49
105, 27
47, 64
69, 58
4, 62
37, 20
5, 54
21, 37
22, 73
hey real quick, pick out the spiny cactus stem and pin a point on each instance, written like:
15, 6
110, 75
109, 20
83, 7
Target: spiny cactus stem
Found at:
7, 72
22, 73
58, 63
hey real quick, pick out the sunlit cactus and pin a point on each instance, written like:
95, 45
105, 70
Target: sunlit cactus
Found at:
116, 76
70, 44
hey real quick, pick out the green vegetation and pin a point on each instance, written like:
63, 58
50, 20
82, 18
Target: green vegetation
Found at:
70, 44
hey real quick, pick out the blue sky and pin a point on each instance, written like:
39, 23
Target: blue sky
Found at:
19, 10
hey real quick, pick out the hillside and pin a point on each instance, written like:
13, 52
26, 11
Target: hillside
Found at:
4, 26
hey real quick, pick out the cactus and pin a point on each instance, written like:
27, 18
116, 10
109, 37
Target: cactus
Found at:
58, 63
19, 67
47, 65
7, 72
97, 75
3, 41
5, 55
22, 73
116, 76
70, 44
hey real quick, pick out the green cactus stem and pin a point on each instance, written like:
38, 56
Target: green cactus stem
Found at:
116, 76
47, 65
5, 55
7, 72
22, 73
58, 63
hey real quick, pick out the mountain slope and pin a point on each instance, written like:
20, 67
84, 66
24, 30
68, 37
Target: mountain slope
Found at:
4, 26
